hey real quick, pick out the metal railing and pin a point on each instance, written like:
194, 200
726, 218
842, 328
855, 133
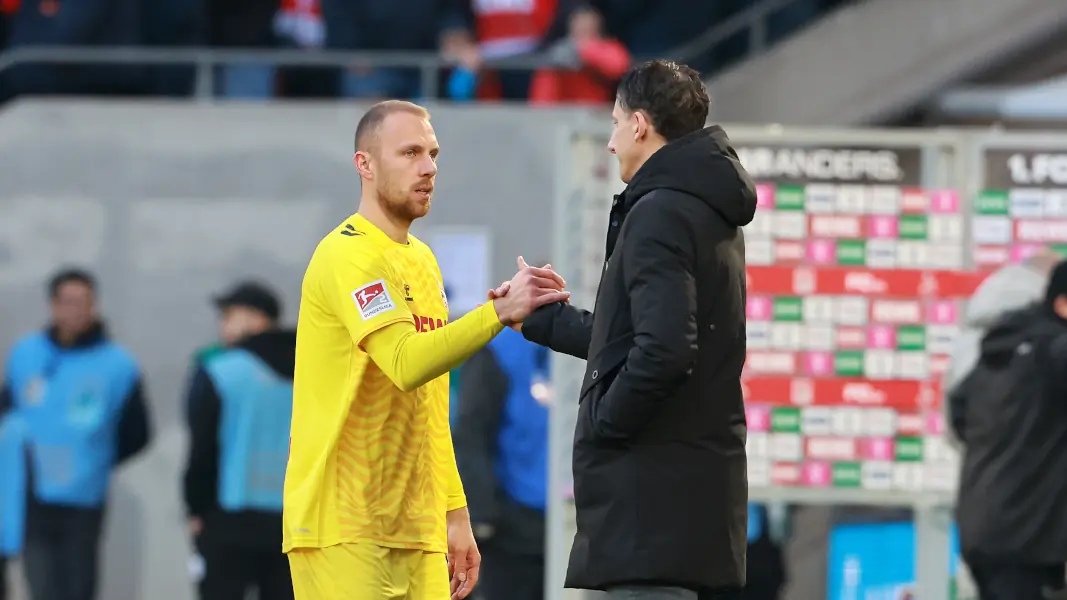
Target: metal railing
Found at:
205, 60
429, 64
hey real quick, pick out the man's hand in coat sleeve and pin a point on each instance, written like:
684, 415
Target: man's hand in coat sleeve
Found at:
558, 326
658, 261
561, 328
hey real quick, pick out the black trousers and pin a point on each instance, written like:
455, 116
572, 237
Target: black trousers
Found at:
61, 555
231, 570
1017, 582
509, 576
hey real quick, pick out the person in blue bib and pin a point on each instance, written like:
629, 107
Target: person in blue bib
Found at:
80, 397
240, 406
501, 441
12, 490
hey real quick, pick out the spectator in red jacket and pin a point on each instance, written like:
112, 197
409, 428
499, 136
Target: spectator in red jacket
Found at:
589, 64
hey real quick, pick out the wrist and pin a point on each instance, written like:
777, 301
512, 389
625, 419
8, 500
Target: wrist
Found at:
506, 322
458, 516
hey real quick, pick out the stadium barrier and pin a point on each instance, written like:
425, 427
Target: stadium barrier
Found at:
169, 202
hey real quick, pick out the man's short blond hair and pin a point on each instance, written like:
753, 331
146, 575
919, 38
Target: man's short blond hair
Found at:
371, 121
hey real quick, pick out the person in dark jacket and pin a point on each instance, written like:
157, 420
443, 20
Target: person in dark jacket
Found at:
1010, 414
240, 408
81, 23
80, 397
501, 443
370, 25
660, 471
243, 24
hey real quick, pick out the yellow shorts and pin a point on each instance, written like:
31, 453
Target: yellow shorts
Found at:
368, 572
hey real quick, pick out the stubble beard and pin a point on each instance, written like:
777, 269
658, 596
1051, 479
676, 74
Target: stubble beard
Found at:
401, 207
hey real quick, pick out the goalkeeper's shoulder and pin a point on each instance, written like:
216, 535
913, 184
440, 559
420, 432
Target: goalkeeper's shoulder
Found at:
344, 246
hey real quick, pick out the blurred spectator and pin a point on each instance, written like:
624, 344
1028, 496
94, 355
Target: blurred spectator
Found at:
299, 24
765, 573
506, 29
502, 452
1010, 415
240, 407
413, 25
171, 23
81, 398
80, 23
12, 488
245, 24
234, 325
590, 64
1008, 289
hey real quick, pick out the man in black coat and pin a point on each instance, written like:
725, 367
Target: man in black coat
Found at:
1010, 414
660, 472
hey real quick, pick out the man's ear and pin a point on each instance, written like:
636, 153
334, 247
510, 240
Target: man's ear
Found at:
1060, 306
362, 160
641, 125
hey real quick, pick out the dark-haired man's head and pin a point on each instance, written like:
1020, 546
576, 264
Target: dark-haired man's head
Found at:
396, 156
1056, 292
72, 301
657, 102
249, 308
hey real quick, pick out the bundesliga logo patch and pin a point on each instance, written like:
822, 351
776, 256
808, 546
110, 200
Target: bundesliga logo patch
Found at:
373, 299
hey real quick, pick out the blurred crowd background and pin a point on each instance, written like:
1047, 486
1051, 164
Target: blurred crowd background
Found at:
167, 233
582, 46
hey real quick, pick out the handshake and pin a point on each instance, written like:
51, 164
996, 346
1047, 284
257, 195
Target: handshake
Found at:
529, 289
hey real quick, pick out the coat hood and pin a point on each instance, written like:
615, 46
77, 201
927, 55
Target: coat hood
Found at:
702, 164
1008, 289
276, 348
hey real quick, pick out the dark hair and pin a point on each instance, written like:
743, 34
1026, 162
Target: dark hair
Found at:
672, 95
372, 119
65, 276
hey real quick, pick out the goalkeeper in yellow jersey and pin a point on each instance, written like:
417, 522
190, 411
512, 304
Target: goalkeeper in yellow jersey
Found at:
373, 499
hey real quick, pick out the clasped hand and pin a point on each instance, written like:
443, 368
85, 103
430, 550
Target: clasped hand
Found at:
530, 289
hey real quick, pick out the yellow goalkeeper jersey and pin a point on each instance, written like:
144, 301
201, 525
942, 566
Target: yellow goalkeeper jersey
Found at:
370, 460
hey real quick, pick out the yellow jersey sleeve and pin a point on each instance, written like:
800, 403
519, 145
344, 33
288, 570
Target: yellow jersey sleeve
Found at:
364, 290
411, 358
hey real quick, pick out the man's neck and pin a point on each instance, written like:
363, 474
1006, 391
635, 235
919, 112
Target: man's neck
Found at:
370, 209
652, 147
66, 337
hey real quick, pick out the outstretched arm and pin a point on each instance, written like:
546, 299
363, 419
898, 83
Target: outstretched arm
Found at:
411, 359
367, 300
